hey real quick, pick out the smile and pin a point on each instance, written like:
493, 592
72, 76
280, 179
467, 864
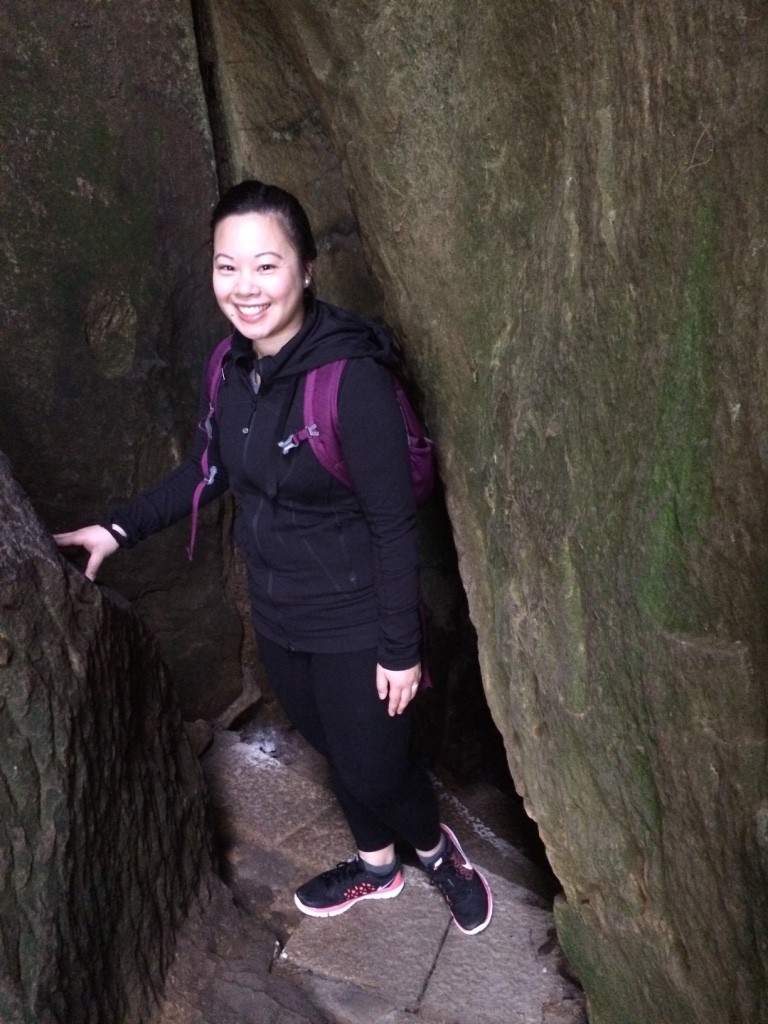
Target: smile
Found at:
252, 310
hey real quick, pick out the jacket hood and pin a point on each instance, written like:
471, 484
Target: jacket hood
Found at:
327, 334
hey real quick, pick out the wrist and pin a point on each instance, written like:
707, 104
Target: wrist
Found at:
117, 533
399, 664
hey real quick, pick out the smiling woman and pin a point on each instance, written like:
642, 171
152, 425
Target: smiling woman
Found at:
332, 569
259, 280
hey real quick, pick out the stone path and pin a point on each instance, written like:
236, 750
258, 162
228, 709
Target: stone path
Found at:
397, 961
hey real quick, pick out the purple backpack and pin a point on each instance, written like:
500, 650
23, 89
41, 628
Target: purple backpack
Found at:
321, 430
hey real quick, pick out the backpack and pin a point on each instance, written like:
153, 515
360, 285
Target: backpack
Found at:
321, 430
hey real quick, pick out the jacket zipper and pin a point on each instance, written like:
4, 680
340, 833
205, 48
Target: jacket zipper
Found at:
254, 383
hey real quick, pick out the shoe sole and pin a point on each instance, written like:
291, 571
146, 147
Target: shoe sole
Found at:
483, 924
389, 892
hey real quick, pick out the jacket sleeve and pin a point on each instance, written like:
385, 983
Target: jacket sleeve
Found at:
171, 498
375, 449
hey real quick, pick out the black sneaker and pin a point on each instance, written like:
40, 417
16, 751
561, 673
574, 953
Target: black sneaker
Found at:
337, 890
463, 887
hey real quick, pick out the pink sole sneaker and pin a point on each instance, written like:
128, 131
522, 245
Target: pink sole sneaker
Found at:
334, 892
463, 888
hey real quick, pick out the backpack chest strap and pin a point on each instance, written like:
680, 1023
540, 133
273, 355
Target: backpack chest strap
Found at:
294, 440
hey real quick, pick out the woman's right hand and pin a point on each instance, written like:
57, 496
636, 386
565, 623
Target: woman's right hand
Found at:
98, 542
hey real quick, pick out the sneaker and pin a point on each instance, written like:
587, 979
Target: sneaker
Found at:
462, 887
342, 887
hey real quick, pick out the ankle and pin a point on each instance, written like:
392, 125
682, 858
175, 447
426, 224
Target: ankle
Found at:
429, 858
380, 869
379, 858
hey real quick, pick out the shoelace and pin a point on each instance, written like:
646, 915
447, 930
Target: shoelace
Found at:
343, 870
444, 874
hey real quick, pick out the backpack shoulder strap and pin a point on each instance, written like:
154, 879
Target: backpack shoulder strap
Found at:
421, 448
213, 370
213, 374
321, 410
321, 414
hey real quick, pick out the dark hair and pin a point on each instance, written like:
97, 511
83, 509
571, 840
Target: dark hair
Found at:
255, 197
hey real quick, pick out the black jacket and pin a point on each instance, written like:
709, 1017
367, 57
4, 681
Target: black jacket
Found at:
329, 569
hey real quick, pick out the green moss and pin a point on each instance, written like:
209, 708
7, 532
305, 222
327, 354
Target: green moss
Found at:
680, 487
598, 960
578, 945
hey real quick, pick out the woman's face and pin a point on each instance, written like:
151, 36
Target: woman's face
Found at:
258, 279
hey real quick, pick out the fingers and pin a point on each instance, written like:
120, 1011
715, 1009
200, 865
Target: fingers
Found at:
399, 702
94, 564
98, 542
399, 698
64, 540
400, 687
382, 683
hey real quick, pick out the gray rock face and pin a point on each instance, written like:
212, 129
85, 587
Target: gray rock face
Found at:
105, 309
273, 130
564, 205
103, 841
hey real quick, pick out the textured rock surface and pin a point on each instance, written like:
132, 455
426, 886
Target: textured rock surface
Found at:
105, 311
272, 129
564, 205
103, 839
221, 974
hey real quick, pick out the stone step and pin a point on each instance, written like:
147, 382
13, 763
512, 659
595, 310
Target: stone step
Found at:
405, 957
384, 960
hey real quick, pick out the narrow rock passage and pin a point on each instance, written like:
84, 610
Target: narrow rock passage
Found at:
393, 961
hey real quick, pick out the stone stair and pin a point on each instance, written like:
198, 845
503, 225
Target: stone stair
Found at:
387, 961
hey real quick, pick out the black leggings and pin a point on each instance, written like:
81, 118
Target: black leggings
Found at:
332, 700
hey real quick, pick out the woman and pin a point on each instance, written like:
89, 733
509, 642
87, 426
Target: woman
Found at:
332, 572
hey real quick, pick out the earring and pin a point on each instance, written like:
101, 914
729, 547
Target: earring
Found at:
307, 282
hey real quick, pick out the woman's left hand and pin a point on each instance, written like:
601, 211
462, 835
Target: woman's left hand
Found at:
400, 686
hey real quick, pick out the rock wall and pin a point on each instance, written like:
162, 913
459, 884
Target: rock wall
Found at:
271, 128
564, 207
103, 841
105, 308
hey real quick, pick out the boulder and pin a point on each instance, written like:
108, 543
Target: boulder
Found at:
563, 206
270, 127
103, 838
105, 308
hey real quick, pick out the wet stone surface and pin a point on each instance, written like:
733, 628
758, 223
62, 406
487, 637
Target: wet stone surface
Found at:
382, 961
